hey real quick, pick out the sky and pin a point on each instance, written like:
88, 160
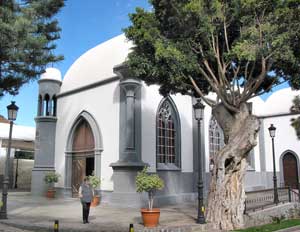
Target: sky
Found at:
84, 24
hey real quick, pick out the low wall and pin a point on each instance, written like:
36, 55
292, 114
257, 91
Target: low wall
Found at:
24, 173
265, 216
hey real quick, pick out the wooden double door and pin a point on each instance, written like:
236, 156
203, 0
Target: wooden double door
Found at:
83, 160
81, 167
290, 170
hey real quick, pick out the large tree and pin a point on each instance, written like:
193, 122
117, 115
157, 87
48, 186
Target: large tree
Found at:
237, 49
27, 32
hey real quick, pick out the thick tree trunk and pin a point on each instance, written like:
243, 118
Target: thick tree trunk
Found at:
226, 197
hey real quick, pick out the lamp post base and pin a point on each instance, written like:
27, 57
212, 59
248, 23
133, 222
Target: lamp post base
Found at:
201, 220
3, 215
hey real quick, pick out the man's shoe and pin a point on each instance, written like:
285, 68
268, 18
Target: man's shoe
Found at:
84, 222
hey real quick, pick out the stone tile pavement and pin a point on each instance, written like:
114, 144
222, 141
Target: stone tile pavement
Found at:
27, 213
39, 213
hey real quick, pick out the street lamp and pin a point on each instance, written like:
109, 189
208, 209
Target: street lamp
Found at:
272, 130
198, 113
12, 111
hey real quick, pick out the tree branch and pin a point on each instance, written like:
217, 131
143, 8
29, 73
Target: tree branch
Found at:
198, 90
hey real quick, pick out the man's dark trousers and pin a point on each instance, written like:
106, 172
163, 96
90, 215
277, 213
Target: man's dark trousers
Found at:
85, 211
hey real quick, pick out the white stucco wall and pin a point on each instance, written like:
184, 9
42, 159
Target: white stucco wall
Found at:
285, 139
103, 104
150, 102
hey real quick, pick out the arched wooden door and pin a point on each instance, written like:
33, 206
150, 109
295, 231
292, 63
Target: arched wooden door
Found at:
290, 170
83, 154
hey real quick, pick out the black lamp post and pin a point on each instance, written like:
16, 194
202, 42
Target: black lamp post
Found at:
12, 111
272, 130
198, 111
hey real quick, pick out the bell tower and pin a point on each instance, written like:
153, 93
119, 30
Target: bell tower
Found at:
44, 160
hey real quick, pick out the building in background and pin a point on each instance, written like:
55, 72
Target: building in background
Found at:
22, 154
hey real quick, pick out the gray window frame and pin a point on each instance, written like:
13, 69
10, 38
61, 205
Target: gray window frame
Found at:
176, 120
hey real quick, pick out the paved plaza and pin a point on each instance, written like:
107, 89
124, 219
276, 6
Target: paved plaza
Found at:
38, 214
27, 213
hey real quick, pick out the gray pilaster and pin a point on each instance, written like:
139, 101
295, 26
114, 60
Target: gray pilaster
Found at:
130, 122
97, 168
68, 173
130, 161
262, 149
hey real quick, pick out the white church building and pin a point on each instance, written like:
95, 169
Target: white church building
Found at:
100, 120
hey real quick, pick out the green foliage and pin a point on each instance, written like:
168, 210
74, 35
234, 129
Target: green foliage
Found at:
94, 181
222, 45
278, 219
24, 155
295, 122
148, 182
27, 30
51, 177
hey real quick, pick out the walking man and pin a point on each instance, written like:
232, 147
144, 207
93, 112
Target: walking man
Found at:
86, 195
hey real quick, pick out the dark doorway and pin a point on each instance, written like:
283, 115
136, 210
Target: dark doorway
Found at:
290, 170
90, 165
83, 155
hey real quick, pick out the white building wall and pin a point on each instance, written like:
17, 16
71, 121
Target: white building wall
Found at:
103, 104
150, 102
285, 139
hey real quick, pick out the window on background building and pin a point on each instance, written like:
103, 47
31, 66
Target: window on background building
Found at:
168, 136
216, 138
216, 142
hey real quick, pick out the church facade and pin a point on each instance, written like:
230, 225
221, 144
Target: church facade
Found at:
99, 120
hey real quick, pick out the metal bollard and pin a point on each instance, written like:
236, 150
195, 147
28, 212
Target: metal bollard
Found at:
56, 226
131, 228
290, 193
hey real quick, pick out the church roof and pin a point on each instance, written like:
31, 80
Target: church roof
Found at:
97, 63
279, 102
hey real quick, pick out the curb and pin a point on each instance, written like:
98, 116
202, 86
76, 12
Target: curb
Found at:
294, 228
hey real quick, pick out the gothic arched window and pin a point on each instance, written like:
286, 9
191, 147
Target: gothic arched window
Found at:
168, 136
216, 138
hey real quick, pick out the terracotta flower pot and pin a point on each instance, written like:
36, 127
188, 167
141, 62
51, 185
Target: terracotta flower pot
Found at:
95, 201
150, 217
50, 193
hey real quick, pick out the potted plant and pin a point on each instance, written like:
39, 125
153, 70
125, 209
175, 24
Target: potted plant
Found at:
149, 183
95, 182
51, 178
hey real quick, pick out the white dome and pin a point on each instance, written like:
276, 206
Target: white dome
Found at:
279, 102
51, 74
97, 63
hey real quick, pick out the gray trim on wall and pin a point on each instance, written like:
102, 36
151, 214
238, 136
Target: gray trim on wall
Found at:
277, 115
87, 87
